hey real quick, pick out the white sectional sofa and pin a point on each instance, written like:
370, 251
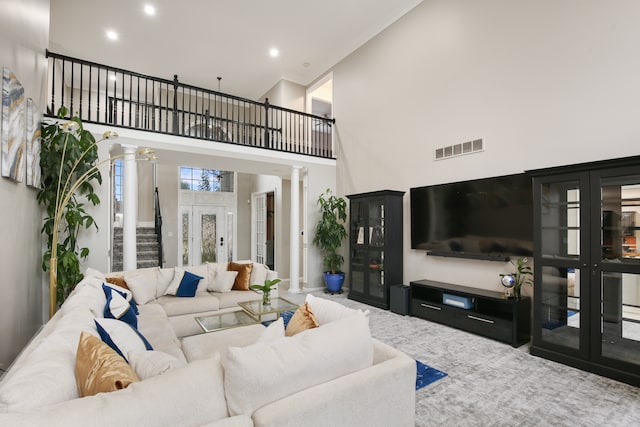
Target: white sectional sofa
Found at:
335, 374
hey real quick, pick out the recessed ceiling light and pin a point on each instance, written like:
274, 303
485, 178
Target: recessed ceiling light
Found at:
112, 35
112, 77
149, 10
274, 52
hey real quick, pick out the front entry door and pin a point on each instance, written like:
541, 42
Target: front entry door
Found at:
203, 235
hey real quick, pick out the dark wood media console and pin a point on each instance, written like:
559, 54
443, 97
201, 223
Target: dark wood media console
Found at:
491, 314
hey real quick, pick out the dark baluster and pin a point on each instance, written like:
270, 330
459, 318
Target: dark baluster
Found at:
175, 104
71, 114
122, 101
98, 100
62, 84
152, 104
266, 123
81, 93
53, 86
89, 90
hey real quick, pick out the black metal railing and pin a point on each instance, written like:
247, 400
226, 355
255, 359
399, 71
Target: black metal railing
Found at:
102, 94
158, 226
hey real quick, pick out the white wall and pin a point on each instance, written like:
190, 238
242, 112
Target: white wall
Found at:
24, 35
544, 83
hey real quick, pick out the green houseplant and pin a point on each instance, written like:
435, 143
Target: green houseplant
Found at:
330, 231
266, 290
69, 166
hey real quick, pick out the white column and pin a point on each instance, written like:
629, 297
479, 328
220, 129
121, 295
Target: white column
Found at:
129, 209
294, 245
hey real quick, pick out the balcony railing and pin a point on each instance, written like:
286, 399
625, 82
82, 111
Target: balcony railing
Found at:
107, 95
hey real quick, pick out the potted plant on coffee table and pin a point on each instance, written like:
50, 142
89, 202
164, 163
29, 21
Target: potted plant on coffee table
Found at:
329, 234
266, 290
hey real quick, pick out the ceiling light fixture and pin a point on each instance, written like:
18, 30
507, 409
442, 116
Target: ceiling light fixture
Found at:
112, 77
149, 10
112, 35
274, 52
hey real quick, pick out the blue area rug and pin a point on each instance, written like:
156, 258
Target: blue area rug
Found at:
427, 375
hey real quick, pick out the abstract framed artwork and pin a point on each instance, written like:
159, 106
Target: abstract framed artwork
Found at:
13, 126
34, 119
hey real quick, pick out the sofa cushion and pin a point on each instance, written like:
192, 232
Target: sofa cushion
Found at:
201, 302
164, 277
154, 324
142, 283
121, 336
149, 363
188, 396
202, 346
99, 369
244, 275
265, 372
231, 299
301, 320
326, 311
223, 281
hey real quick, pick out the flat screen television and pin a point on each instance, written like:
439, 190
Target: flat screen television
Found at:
490, 218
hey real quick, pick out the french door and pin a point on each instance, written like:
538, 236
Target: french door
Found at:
203, 237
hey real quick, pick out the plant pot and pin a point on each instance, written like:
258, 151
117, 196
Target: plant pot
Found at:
334, 282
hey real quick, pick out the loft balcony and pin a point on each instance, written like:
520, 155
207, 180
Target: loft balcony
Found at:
112, 96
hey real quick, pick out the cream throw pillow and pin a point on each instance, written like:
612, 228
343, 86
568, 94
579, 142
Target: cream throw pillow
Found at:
264, 372
223, 281
99, 368
326, 311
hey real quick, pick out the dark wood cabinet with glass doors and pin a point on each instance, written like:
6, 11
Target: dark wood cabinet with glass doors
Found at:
375, 246
587, 267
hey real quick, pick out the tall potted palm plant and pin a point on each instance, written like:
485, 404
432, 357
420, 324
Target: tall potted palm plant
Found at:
329, 233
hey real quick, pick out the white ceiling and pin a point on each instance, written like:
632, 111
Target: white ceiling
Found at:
200, 40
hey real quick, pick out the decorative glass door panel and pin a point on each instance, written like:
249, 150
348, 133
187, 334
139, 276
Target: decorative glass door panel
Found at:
560, 219
376, 223
561, 257
203, 235
560, 306
617, 269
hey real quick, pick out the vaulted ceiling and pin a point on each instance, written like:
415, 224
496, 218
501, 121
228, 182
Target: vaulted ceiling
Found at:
200, 40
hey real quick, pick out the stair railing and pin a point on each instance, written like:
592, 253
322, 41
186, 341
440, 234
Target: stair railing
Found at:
158, 226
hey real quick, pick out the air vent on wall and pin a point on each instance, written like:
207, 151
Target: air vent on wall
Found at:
468, 147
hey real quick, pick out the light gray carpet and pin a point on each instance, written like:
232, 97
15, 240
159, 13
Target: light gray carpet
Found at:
493, 384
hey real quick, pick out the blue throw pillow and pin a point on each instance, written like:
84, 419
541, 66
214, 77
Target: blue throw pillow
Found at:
117, 307
126, 293
188, 285
121, 337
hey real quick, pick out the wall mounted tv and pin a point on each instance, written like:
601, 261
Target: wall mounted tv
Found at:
490, 218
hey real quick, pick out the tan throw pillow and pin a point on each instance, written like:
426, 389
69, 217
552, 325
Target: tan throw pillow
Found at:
301, 320
99, 368
244, 274
117, 280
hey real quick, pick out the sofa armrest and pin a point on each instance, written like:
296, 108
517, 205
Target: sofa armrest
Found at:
386, 389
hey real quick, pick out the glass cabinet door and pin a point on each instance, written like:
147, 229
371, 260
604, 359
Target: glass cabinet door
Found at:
616, 268
560, 264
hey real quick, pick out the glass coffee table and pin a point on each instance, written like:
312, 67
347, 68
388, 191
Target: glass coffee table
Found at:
231, 319
256, 309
